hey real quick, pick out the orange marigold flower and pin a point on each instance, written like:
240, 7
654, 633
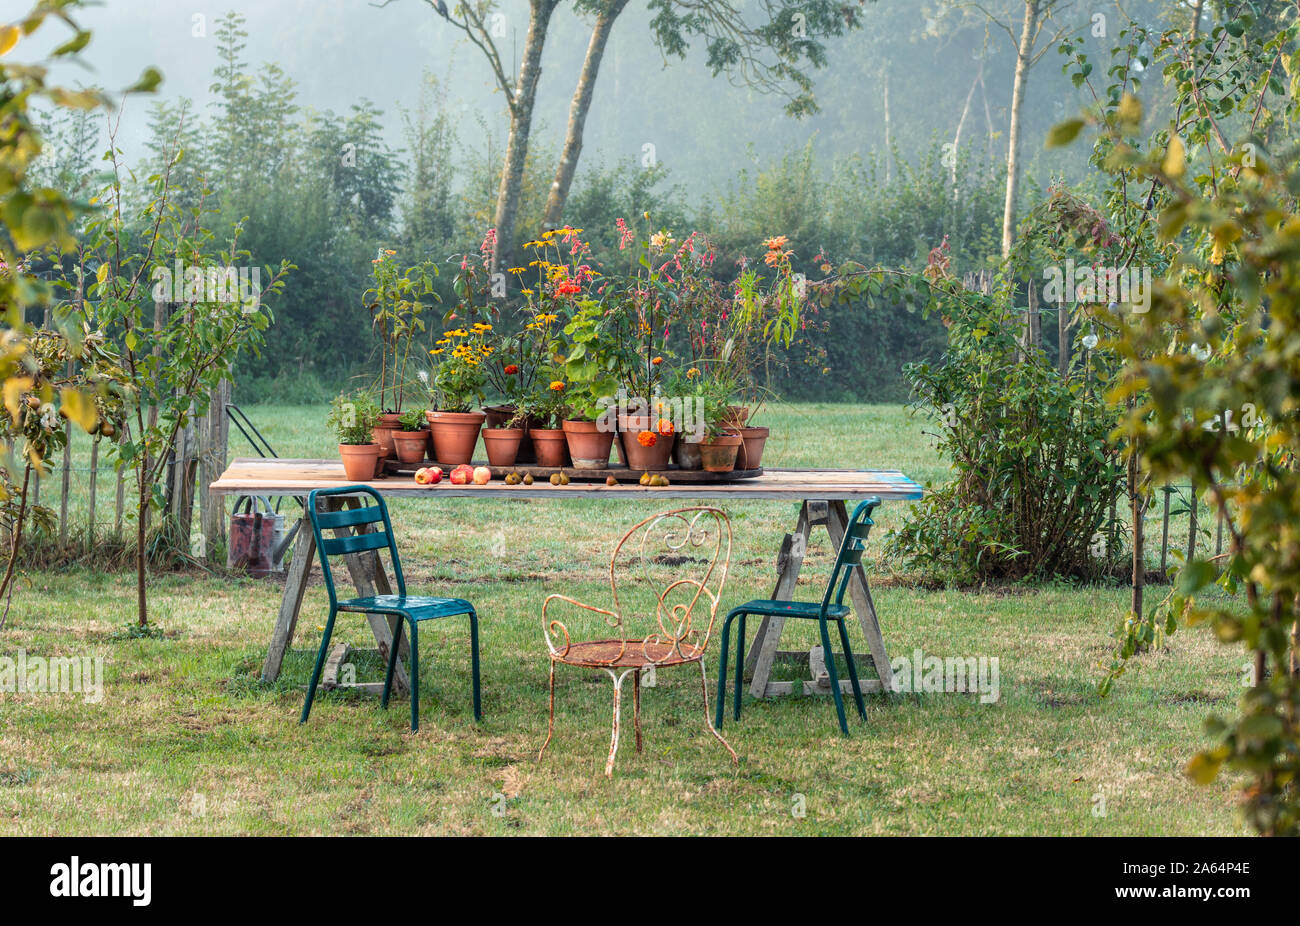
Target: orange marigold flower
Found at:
657, 361
510, 369
557, 386
647, 438
664, 427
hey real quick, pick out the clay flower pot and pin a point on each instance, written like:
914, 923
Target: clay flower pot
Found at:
360, 461
411, 445
497, 415
589, 444
389, 424
737, 415
502, 445
639, 456
751, 451
551, 445
454, 435
687, 454
719, 454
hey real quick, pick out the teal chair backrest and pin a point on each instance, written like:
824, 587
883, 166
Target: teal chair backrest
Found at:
355, 518
851, 549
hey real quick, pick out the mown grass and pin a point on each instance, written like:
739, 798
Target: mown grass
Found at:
188, 740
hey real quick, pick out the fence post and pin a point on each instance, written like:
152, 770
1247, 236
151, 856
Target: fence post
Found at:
214, 440
67, 483
1164, 533
94, 473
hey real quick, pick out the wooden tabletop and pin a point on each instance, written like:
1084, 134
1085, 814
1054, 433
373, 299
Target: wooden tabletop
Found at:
259, 476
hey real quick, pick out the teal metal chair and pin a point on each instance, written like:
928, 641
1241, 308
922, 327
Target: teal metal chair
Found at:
832, 608
411, 609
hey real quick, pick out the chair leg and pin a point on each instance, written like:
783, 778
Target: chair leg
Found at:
704, 692
740, 664
473, 644
415, 677
636, 707
613, 742
834, 676
320, 664
395, 648
853, 670
550, 720
722, 670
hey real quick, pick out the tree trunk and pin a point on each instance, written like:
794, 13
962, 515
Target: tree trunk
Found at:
568, 165
521, 123
1024, 54
141, 529
889, 142
961, 123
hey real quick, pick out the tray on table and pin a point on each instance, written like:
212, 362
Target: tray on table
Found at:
621, 473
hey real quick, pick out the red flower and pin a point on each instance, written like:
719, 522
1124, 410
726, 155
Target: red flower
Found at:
511, 369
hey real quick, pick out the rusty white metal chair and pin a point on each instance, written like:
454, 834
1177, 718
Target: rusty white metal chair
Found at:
665, 578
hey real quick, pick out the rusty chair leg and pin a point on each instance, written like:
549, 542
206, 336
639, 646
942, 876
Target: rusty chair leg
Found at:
708, 721
618, 698
550, 720
636, 706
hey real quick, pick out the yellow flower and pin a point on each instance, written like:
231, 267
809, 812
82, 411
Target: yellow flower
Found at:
526, 292
692, 373
557, 386
437, 350
517, 269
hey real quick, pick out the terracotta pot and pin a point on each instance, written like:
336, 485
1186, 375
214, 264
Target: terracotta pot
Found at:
498, 415
737, 415
751, 451
656, 456
589, 445
455, 435
360, 461
502, 445
411, 445
687, 454
389, 423
551, 445
719, 455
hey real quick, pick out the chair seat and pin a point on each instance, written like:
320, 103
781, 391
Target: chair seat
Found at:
600, 654
417, 607
801, 609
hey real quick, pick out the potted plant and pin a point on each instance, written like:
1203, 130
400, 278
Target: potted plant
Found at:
456, 390
502, 440
722, 443
591, 365
412, 439
396, 300
353, 419
547, 408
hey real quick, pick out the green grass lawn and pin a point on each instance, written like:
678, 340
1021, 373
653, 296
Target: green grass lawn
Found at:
187, 739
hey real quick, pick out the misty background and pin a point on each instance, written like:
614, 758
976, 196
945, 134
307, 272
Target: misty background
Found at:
878, 175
